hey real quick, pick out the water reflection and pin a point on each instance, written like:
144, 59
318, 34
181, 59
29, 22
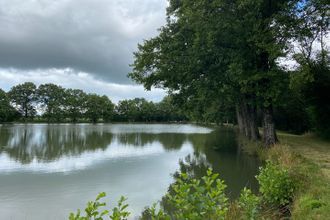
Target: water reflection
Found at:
60, 148
46, 143
70, 164
169, 141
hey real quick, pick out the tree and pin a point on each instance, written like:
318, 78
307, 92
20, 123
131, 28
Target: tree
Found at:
108, 109
292, 114
133, 110
224, 50
141, 110
166, 110
74, 103
126, 110
312, 78
98, 107
7, 112
51, 98
23, 97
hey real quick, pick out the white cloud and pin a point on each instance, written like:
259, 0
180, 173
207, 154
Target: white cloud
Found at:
69, 78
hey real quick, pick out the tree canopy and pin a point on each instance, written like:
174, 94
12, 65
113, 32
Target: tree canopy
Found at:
23, 97
7, 112
227, 50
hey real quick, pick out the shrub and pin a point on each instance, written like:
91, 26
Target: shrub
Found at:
276, 186
249, 203
199, 199
154, 214
190, 198
92, 211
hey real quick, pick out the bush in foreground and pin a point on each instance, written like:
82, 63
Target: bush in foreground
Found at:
276, 185
92, 211
192, 199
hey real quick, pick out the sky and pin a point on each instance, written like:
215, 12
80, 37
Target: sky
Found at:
83, 44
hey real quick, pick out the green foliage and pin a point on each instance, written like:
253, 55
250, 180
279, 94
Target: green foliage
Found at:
215, 55
152, 213
249, 203
276, 185
75, 101
7, 112
93, 212
307, 202
313, 82
198, 198
51, 97
312, 77
99, 107
139, 109
119, 212
57, 104
292, 113
132, 110
191, 199
23, 97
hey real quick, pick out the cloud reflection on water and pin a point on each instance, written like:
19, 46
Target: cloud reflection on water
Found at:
65, 148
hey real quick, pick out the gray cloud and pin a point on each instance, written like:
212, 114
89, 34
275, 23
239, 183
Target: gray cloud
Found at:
93, 36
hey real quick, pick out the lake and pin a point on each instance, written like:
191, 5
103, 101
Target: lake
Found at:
50, 170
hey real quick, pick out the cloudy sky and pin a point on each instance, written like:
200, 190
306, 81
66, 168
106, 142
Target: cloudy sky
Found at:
85, 44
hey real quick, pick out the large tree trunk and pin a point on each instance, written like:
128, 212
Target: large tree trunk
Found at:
252, 115
246, 119
239, 117
269, 133
242, 119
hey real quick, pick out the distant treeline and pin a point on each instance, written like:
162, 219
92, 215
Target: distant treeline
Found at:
52, 103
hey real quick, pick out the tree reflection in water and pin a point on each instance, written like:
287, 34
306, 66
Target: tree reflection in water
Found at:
218, 149
44, 143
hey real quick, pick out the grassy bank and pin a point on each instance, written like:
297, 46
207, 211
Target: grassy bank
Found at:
313, 199
307, 158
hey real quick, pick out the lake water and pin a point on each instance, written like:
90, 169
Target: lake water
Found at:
48, 171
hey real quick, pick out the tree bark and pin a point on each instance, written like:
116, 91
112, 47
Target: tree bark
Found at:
247, 120
269, 133
254, 131
239, 119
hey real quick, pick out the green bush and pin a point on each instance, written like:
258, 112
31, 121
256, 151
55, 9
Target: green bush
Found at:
191, 199
198, 199
276, 185
92, 211
249, 203
154, 214
194, 199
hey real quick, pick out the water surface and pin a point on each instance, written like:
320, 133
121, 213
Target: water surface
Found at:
47, 171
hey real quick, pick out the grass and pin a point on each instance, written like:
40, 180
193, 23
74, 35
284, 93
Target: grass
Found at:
311, 147
313, 161
307, 158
